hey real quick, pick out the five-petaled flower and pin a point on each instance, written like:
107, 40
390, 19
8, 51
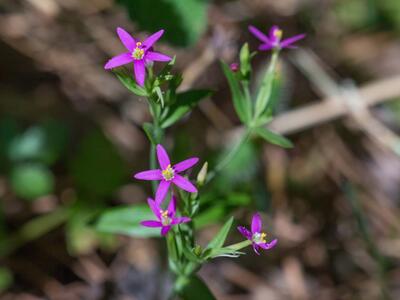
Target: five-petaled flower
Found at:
256, 236
274, 39
169, 174
166, 218
139, 53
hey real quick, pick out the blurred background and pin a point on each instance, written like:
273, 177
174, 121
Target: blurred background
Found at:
70, 138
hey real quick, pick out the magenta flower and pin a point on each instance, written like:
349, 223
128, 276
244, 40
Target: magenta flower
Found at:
256, 236
166, 218
169, 174
273, 40
138, 53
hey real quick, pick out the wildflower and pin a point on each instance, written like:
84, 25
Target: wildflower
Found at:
257, 237
274, 39
169, 174
138, 53
166, 218
234, 67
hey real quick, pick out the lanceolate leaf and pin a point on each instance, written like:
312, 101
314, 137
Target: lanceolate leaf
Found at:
184, 103
196, 289
127, 80
241, 104
273, 138
219, 240
126, 220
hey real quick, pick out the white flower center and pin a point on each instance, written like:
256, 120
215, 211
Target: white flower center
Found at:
168, 173
165, 219
259, 237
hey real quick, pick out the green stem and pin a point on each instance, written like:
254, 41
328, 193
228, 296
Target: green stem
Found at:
227, 159
239, 246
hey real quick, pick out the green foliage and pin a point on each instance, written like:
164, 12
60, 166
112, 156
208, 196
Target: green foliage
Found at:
183, 21
273, 137
195, 289
240, 101
97, 168
185, 101
44, 143
127, 80
30, 181
219, 240
126, 220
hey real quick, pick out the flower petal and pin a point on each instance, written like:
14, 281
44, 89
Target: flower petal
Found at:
140, 71
172, 207
258, 34
126, 39
272, 33
163, 158
155, 56
165, 230
256, 223
292, 40
245, 232
151, 223
149, 175
186, 164
154, 207
184, 184
162, 190
265, 47
119, 60
180, 220
269, 245
256, 248
153, 38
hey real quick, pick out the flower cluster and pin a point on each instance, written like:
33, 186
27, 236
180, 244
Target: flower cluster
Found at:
167, 175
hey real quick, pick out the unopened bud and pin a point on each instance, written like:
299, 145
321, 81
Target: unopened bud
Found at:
201, 177
234, 67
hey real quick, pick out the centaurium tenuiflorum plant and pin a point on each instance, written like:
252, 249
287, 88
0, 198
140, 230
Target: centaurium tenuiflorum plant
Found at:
179, 217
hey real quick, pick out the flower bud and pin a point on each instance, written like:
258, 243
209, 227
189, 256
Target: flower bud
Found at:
201, 177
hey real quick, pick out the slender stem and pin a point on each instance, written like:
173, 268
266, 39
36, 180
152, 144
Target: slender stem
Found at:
227, 159
239, 246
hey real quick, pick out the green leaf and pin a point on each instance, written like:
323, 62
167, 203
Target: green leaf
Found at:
126, 220
273, 137
30, 181
184, 22
44, 143
265, 90
97, 167
219, 240
241, 104
194, 288
184, 103
128, 81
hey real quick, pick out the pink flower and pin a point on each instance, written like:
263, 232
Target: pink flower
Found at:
166, 218
138, 53
273, 40
234, 67
169, 174
256, 236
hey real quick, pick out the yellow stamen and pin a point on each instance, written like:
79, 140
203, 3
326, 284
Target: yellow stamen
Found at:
278, 34
168, 173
